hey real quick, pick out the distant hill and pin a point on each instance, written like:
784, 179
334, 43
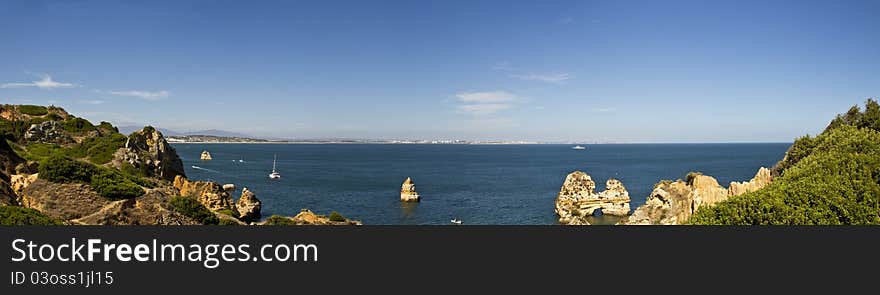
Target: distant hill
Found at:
168, 132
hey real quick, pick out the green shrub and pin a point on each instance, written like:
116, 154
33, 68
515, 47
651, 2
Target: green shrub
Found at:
335, 216
227, 212
77, 125
689, 179
279, 220
14, 215
191, 207
98, 150
224, 221
61, 169
115, 186
32, 110
837, 183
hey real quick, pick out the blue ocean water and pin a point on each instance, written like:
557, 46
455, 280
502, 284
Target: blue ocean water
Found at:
480, 184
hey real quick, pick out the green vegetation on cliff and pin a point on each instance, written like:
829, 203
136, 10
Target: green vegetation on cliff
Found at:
833, 178
14, 215
106, 182
191, 208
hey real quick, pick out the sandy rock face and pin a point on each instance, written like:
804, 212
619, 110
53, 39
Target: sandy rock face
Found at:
674, 202
8, 161
761, 179
248, 205
578, 200
209, 193
149, 209
408, 191
62, 201
205, 156
148, 150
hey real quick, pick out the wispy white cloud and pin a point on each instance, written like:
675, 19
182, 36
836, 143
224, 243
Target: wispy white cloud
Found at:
45, 83
565, 20
486, 102
148, 95
513, 72
485, 97
483, 109
92, 102
558, 78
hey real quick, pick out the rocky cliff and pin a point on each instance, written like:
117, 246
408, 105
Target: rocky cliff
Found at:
209, 193
578, 200
672, 203
147, 150
8, 161
248, 206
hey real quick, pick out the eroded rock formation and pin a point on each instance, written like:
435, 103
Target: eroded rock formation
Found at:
672, 203
209, 193
577, 199
408, 191
761, 179
206, 156
307, 217
248, 206
62, 201
147, 150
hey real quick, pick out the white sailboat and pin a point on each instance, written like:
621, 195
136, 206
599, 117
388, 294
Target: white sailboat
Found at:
274, 174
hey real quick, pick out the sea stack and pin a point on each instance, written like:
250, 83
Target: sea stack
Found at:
206, 156
577, 199
408, 191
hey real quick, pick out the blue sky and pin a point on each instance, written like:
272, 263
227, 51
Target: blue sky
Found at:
605, 71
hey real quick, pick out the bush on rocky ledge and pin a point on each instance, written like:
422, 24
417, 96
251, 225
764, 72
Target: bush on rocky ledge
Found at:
191, 208
14, 215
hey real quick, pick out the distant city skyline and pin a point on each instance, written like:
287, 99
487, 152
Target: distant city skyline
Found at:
542, 71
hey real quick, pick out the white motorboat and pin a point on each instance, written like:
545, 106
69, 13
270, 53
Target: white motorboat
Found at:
578, 147
455, 221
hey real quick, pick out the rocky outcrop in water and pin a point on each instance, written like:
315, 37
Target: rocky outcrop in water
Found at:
408, 191
248, 206
672, 203
578, 200
307, 217
206, 156
48, 132
147, 150
209, 193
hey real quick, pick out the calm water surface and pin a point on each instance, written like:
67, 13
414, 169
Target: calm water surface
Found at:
480, 184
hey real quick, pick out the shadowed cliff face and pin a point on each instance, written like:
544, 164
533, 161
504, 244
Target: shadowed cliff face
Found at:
8, 160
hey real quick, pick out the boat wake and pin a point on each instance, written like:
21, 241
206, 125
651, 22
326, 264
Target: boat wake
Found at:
206, 169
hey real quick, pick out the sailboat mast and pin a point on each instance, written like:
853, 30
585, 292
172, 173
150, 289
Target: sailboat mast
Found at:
273, 162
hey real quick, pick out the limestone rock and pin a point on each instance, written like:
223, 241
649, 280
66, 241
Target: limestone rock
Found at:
307, 217
206, 156
674, 202
209, 193
248, 205
577, 199
761, 179
408, 191
48, 132
148, 150
20, 181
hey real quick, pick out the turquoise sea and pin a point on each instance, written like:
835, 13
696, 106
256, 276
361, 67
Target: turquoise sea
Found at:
479, 184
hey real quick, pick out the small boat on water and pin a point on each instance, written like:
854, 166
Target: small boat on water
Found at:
274, 174
455, 221
578, 147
